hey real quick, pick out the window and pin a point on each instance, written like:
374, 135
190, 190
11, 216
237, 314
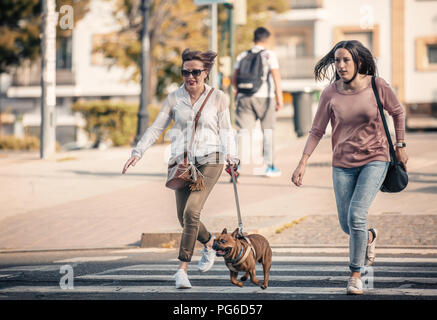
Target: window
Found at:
368, 37
426, 53
64, 53
432, 53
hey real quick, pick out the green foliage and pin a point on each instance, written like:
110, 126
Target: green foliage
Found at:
28, 143
114, 120
20, 28
173, 25
259, 13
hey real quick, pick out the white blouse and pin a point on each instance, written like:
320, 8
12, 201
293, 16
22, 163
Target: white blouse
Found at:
214, 131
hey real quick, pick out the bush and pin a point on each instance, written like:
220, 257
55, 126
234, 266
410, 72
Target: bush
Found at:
28, 143
113, 120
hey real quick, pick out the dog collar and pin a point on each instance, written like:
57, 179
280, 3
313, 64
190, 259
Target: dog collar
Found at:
232, 261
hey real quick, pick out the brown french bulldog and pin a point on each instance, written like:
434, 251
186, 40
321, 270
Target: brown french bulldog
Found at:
239, 255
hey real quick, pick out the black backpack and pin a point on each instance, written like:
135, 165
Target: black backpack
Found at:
250, 73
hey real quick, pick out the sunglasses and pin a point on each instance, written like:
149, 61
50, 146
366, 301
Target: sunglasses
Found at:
195, 72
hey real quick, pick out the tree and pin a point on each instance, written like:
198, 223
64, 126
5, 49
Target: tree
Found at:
259, 13
20, 28
173, 25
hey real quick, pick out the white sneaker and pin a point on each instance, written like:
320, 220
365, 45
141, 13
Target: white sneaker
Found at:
354, 286
207, 260
370, 250
182, 281
272, 172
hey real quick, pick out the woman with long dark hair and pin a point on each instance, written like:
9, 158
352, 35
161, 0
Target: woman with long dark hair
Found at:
360, 148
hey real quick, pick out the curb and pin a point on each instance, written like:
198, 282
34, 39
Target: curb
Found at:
172, 239
5, 251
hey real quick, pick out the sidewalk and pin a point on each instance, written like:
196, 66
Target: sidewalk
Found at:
81, 200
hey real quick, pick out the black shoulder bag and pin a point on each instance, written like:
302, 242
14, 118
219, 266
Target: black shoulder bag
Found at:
396, 179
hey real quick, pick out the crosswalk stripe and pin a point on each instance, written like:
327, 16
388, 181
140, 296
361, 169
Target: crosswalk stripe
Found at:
39, 268
346, 250
289, 268
340, 259
91, 259
250, 289
126, 277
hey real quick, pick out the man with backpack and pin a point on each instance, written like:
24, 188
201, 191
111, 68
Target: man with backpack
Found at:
257, 82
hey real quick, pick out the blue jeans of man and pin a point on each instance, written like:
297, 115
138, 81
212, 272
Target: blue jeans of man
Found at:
355, 189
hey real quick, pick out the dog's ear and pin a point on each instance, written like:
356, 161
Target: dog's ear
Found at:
235, 233
225, 231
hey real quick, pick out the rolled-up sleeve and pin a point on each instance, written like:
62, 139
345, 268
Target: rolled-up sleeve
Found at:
320, 122
152, 133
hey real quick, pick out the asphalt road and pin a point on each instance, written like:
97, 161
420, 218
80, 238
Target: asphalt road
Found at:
298, 273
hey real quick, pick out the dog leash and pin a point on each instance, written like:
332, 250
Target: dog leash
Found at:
237, 202
240, 221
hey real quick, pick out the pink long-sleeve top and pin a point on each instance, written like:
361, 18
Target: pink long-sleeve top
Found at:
358, 135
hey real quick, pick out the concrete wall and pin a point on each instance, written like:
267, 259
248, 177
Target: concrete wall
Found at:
353, 13
94, 79
420, 21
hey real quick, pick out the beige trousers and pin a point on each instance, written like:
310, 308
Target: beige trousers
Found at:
189, 205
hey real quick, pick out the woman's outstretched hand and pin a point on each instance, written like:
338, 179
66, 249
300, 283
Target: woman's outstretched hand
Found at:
131, 162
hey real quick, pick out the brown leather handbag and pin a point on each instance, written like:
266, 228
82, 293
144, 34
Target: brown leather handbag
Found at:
182, 174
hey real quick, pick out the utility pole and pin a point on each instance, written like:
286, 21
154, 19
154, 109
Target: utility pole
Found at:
213, 43
48, 79
143, 113
231, 28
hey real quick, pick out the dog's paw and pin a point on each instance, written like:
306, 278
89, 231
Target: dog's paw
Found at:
264, 287
243, 278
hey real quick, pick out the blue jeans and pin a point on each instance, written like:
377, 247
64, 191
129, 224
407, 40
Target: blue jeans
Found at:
355, 189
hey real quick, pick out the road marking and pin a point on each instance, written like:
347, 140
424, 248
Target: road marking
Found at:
346, 250
39, 268
139, 277
219, 266
91, 259
339, 259
7, 276
250, 289
144, 250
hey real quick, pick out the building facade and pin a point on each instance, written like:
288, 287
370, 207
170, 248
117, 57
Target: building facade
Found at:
81, 73
402, 35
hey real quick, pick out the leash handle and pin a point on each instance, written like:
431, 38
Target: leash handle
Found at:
237, 202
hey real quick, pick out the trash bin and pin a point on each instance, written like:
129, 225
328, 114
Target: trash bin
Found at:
302, 104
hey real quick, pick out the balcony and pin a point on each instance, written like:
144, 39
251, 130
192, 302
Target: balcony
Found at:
30, 75
306, 4
297, 67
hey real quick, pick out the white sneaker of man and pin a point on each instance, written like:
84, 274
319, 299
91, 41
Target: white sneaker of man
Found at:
182, 281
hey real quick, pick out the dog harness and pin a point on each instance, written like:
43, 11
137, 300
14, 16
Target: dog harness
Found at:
231, 264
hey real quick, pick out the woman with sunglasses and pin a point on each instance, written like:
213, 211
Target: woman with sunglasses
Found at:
359, 143
213, 143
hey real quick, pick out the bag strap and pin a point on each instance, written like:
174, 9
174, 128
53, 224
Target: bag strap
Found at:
196, 120
384, 121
